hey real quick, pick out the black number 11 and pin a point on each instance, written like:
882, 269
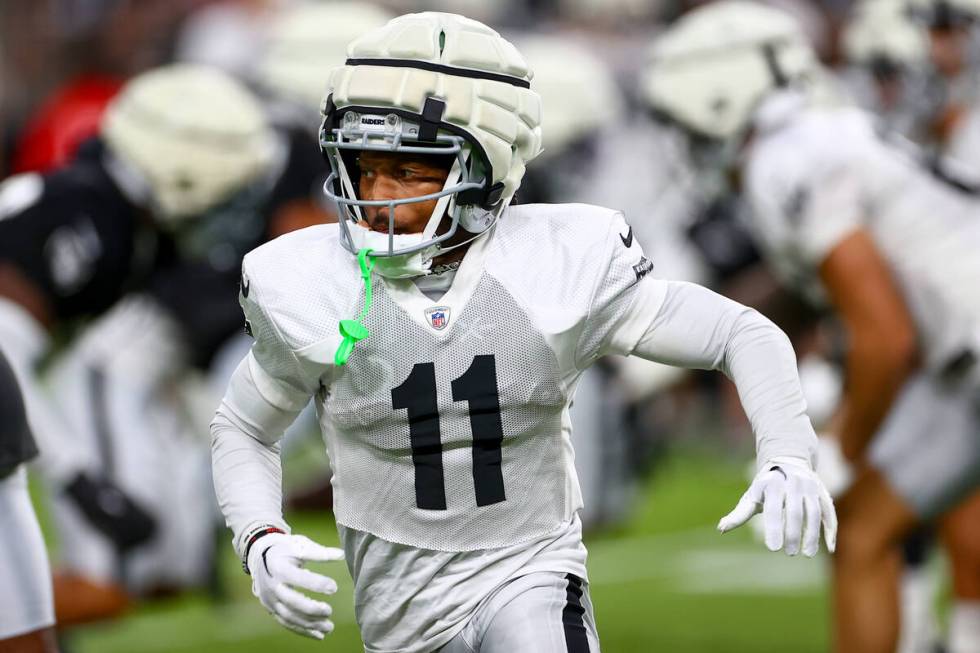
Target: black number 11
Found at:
478, 386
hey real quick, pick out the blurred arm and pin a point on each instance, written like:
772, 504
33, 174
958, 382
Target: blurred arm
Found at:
697, 328
882, 346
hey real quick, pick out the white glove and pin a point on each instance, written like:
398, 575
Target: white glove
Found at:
793, 502
833, 468
276, 564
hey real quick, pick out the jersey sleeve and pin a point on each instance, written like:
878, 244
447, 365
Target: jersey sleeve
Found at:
613, 325
696, 328
276, 371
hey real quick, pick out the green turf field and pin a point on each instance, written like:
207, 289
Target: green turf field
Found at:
666, 582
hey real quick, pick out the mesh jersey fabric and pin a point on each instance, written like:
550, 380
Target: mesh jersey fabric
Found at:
543, 300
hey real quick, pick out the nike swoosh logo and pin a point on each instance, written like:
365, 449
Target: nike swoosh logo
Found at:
628, 238
245, 284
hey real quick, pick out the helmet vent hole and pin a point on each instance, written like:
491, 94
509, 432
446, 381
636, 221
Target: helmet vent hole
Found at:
442, 41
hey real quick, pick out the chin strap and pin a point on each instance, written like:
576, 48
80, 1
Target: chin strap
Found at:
353, 331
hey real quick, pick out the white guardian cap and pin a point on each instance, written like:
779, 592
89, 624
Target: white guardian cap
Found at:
430, 83
883, 32
710, 71
188, 137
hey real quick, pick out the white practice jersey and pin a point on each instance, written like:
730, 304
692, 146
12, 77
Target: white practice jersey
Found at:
449, 424
448, 428
816, 175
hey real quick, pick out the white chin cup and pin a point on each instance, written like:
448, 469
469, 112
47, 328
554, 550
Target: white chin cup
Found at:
406, 266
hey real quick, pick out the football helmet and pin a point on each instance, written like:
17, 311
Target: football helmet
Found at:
883, 32
430, 83
710, 70
308, 39
184, 138
578, 92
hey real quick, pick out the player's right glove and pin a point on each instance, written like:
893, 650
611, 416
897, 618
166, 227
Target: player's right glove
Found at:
111, 511
276, 564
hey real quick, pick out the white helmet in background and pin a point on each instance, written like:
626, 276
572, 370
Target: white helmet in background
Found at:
306, 41
882, 31
578, 92
431, 83
711, 69
185, 138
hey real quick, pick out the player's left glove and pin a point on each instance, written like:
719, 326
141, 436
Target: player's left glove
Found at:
276, 564
794, 503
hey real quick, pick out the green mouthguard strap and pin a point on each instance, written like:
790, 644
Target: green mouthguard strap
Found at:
353, 331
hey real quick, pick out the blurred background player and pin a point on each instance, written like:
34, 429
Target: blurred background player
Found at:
176, 145
888, 55
890, 74
26, 607
849, 219
951, 129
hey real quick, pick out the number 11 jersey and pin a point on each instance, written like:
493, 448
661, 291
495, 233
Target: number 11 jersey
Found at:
448, 427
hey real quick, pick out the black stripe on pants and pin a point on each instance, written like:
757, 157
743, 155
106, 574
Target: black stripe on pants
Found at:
573, 617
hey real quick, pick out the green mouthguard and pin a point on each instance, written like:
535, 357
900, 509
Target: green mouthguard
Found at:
353, 331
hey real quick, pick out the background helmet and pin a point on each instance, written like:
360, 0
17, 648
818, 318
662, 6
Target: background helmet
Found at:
580, 104
578, 91
439, 84
306, 41
189, 137
710, 71
883, 33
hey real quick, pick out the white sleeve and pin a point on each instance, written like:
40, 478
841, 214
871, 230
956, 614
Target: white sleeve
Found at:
691, 326
610, 327
245, 448
266, 393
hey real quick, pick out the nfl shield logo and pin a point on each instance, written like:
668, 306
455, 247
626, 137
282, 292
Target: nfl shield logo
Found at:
438, 317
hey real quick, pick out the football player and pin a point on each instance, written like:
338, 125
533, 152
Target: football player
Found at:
851, 218
178, 146
441, 332
27, 614
888, 53
952, 126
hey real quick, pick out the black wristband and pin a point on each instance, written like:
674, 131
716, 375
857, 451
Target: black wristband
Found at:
256, 535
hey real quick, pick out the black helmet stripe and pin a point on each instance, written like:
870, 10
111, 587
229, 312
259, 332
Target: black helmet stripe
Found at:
440, 68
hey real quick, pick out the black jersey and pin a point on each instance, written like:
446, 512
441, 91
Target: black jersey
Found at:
74, 234
200, 289
16, 443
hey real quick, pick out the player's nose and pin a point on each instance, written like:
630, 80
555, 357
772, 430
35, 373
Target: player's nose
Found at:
378, 218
